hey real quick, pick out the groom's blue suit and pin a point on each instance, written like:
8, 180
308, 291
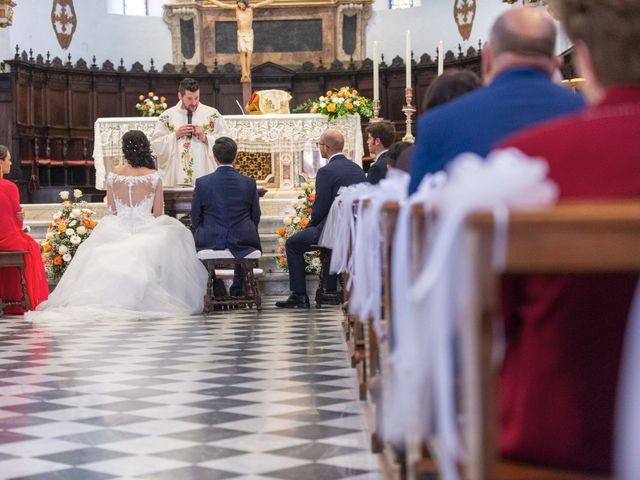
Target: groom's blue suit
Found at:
225, 212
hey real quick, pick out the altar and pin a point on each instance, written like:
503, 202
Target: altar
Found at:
279, 151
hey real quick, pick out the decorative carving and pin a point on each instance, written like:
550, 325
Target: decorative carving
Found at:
256, 165
367, 64
57, 62
6, 13
425, 59
449, 56
184, 24
169, 68
137, 67
64, 21
336, 66
397, 61
108, 66
307, 67
464, 12
229, 68
201, 68
81, 64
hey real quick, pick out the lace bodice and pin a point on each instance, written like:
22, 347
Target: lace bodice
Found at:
134, 199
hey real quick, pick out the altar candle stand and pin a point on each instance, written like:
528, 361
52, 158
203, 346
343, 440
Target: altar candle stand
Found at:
409, 110
376, 84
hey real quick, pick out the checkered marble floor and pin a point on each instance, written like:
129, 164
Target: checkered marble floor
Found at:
235, 395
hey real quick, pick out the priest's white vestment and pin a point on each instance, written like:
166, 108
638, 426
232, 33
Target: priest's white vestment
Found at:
182, 160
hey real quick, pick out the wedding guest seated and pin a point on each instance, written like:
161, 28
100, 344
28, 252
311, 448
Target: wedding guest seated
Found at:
380, 135
338, 172
395, 151
450, 85
565, 332
517, 65
225, 212
137, 263
13, 239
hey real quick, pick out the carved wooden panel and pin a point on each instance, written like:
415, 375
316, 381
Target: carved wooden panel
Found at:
24, 93
57, 106
81, 111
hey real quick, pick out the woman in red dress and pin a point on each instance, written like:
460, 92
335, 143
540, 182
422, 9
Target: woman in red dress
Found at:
12, 238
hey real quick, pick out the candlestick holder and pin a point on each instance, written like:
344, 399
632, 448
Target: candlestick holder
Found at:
376, 111
408, 110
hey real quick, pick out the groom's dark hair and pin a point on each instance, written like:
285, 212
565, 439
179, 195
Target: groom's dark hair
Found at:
225, 150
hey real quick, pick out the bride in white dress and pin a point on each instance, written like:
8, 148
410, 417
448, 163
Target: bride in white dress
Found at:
137, 263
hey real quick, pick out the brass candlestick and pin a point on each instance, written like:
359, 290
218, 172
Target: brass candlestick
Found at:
376, 111
408, 110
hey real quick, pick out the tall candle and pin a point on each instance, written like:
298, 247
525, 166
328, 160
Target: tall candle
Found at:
376, 73
440, 58
408, 58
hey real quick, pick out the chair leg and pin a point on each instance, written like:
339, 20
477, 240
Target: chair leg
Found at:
209, 292
25, 296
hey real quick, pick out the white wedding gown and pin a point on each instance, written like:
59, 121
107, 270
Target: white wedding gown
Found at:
133, 265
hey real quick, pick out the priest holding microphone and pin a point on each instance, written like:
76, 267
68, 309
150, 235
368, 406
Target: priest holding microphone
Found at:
184, 135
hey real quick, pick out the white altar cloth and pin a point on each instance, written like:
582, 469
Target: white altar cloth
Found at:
273, 134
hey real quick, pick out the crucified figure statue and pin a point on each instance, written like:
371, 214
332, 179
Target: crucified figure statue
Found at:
244, 19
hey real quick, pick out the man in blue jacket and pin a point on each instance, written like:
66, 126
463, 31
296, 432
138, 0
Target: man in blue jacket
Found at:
338, 172
517, 65
226, 211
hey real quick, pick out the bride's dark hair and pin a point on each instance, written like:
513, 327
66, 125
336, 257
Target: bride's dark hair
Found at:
137, 150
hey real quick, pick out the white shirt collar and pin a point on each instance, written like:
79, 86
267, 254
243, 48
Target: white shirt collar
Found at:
335, 155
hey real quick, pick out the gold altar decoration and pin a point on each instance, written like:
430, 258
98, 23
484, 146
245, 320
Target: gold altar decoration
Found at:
6, 13
64, 21
464, 12
256, 165
269, 101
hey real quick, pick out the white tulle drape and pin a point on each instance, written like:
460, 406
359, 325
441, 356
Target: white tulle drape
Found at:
427, 318
627, 462
366, 292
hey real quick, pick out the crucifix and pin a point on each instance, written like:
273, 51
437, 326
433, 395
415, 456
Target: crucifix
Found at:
244, 20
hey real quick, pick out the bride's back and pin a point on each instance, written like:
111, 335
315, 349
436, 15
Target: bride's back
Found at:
132, 192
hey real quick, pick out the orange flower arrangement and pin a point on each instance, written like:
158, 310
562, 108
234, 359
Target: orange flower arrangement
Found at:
337, 103
70, 226
152, 105
295, 222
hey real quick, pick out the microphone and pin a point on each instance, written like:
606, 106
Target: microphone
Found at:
189, 116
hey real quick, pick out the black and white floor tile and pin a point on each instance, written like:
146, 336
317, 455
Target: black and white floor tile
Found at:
235, 395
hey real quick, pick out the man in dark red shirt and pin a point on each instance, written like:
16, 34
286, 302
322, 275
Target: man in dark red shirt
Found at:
565, 332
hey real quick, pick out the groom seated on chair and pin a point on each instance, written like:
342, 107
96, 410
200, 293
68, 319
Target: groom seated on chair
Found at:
226, 210
338, 172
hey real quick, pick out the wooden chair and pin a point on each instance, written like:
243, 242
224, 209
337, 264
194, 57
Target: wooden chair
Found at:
220, 265
572, 237
15, 259
324, 296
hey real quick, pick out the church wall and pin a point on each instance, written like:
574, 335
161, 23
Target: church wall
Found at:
107, 36
135, 38
431, 22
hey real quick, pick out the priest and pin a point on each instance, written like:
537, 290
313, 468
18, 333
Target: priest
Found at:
184, 135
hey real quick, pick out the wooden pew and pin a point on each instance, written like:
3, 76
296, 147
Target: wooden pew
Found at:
572, 237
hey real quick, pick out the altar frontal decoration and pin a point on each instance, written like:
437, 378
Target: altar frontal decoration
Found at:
338, 103
151, 105
6, 13
295, 222
269, 101
69, 228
